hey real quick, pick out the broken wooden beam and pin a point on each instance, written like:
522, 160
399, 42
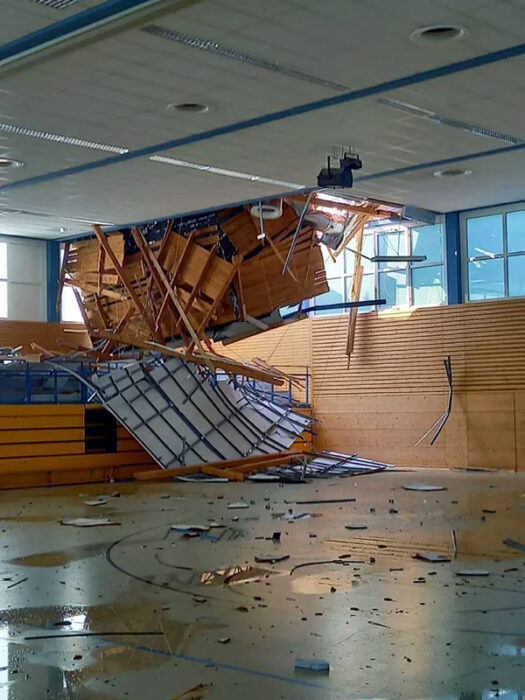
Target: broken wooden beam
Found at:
237, 466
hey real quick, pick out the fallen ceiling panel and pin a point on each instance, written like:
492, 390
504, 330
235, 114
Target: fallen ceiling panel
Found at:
183, 417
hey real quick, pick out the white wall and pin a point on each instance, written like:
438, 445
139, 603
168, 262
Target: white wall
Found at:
26, 279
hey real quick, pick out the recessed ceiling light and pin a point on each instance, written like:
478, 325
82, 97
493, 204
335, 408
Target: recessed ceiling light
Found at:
190, 107
453, 172
438, 32
10, 163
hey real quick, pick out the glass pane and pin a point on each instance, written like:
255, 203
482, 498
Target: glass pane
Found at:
334, 296
517, 276
367, 292
516, 231
285, 310
69, 309
3, 299
332, 268
394, 243
485, 236
3, 261
393, 288
368, 250
428, 240
485, 279
427, 286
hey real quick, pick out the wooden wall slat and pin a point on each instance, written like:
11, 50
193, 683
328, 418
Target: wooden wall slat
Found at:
53, 435
52, 336
40, 449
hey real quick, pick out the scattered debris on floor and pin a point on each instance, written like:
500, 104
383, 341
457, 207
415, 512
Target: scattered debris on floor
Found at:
288, 466
270, 558
356, 526
472, 572
191, 528
424, 487
339, 562
434, 558
96, 501
320, 501
454, 542
317, 665
514, 544
195, 693
17, 583
88, 522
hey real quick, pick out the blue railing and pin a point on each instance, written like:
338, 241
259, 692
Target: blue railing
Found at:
288, 394
43, 383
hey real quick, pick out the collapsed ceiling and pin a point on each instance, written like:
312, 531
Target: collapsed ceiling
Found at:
220, 276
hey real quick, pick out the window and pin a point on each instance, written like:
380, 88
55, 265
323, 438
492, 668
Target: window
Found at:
495, 245
69, 309
401, 284
3, 280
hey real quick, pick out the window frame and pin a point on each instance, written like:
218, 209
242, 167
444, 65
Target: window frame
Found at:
464, 216
6, 278
376, 231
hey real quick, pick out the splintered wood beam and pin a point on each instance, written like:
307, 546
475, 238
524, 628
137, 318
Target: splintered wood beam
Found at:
162, 248
357, 227
148, 254
165, 474
101, 262
224, 473
219, 362
109, 345
62, 276
93, 289
102, 311
165, 239
127, 286
355, 292
237, 281
245, 462
161, 310
182, 260
202, 276
281, 258
235, 267
82, 308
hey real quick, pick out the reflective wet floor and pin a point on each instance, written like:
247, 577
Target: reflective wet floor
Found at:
138, 610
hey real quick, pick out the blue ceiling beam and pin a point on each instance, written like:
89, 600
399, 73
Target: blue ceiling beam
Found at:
64, 28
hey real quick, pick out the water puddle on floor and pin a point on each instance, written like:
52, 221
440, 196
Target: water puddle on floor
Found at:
60, 557
60, 646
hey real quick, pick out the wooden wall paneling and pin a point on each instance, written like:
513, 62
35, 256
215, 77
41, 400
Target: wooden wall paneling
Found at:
52, 336
40, 449
52, 435
78, 462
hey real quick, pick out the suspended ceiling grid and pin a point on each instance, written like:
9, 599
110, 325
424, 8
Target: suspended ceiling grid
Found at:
115, 92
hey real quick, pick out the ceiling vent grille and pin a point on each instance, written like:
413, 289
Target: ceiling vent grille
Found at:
203, 167
214, 47
446, 121
56, 4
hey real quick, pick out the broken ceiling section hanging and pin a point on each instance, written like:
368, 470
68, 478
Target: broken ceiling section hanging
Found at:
175, 288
